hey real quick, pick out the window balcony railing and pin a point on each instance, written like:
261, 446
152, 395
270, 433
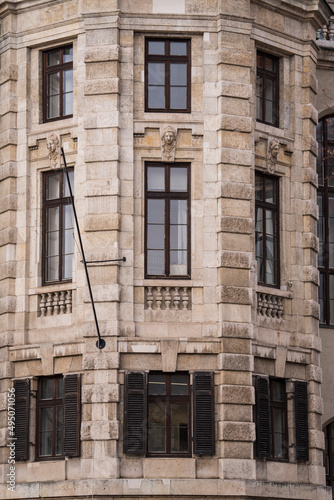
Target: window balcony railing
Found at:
269, 305
55, 303
167, 298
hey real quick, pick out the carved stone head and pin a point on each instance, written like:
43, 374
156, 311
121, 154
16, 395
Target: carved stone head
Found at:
168, 144
273, 150
52, 143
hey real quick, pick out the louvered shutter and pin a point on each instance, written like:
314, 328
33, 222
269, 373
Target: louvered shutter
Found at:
22, 405
301, 416
204, 413
71, 403
135, 413
262, 415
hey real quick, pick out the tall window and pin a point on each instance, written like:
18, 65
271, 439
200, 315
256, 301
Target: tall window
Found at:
267, 88
167, 220
58, 83
325, 170
58, 417
167, 70
58, 226
157, 414
329, 455
271, 419
267, 229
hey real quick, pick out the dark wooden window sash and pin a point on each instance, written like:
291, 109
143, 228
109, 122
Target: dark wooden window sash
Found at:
53, 403
269, 75
58, 202
47, 70
325, 270
169, 399
167, 59
283, 407
168, 195
273, 207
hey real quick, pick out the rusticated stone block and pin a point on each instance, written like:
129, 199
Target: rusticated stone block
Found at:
231, 89
102, 222
99, 430
237, 469
236, 57
100, 360
236, 431
236, 191
236, 295
236, 362
166, 468
236, 259
237, 330
110, 86
100, 393
102, 54
238, 123
242, 395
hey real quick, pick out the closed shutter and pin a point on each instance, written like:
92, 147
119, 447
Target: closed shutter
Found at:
262, 416
204, 413
135, 413
71, 402
22, 404
301, 415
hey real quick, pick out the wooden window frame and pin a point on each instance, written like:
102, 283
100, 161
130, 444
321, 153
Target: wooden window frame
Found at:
58, 202
273, 76
53, 403
169, 399
280, 406
275, 208
168, 195
48, 70
329, 455
325, 191
167, 59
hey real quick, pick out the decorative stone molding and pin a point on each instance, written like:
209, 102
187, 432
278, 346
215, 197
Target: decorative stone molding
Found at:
273, 150
52, 143
167, 297
168, 144
269, 305
55, 303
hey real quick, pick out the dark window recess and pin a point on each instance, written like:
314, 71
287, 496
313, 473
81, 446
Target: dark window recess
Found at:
267, 229
58, 417
58, 227
167, 75
329, 455
301, 414
325, 170
271, 419
58, 83
21, 429
157, 414
267, 89
167, 216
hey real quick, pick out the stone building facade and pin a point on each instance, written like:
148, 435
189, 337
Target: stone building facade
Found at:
189, 131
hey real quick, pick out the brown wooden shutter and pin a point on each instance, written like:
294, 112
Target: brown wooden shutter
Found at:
71, 403
262, 416
135, 413
22, 405
204, 413
301, 416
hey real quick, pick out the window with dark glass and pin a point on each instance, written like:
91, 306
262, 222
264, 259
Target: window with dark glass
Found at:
157, 414
167, 75
329, 455
58, 83
167, 220
325, 170
58, 227
50, 417
271, 419
267, 88
267, 229
168, 414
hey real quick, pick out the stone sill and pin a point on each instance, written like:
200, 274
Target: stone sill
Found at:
61, 287
274, 291
168, 282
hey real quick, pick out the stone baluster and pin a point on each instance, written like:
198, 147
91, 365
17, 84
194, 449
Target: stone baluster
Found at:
149, 298
176, 298
158, 298
42, 304
62, 302
324, 32
168, 297
56, 308
185, 298
280, 308
331, 31
49, 304
68, 302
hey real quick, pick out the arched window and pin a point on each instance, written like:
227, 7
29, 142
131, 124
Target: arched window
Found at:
329, 455
325, 170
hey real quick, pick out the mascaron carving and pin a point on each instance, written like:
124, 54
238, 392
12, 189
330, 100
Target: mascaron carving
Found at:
168, 144
52, 143
273, 150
